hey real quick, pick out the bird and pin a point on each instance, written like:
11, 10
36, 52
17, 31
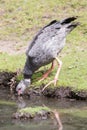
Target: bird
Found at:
44, 49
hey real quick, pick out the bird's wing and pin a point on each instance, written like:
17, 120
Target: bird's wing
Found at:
45, 33
49, 31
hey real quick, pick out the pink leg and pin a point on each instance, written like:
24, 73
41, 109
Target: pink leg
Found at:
58, 120
57, 74
48, 72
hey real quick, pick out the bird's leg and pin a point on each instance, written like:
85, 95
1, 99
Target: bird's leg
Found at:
56, 76
47, 73
58, 70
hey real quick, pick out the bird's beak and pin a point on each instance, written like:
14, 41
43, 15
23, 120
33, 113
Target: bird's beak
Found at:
19, 92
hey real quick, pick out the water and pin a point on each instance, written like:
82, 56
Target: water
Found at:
73, 114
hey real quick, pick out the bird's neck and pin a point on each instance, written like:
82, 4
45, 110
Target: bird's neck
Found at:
27, 71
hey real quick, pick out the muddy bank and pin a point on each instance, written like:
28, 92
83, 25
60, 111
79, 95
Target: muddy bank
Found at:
8, 80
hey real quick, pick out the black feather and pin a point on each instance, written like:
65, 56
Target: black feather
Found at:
68, 20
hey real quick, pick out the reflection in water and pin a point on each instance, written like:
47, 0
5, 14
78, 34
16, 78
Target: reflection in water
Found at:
71, 120
21, 103
58, 120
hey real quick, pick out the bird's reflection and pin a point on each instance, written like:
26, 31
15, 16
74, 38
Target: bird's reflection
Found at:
21, 103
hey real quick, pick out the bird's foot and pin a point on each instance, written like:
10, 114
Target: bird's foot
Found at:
43, 77
53, 81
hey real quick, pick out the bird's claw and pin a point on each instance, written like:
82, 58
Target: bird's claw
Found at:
53, 81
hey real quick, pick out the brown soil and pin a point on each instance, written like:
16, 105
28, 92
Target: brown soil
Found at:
8, 80
5, 79
13, 47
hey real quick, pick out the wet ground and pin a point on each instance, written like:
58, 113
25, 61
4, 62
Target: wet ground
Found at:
73, 113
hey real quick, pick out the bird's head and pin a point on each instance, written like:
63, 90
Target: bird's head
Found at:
23, 84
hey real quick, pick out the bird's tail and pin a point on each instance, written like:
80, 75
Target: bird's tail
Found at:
68, 24
71, 27
68, 20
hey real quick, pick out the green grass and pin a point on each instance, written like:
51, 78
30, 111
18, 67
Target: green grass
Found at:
21, 19
34, 110
11, 62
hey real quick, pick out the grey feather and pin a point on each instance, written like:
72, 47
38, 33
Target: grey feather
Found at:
47, 43
45, 47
